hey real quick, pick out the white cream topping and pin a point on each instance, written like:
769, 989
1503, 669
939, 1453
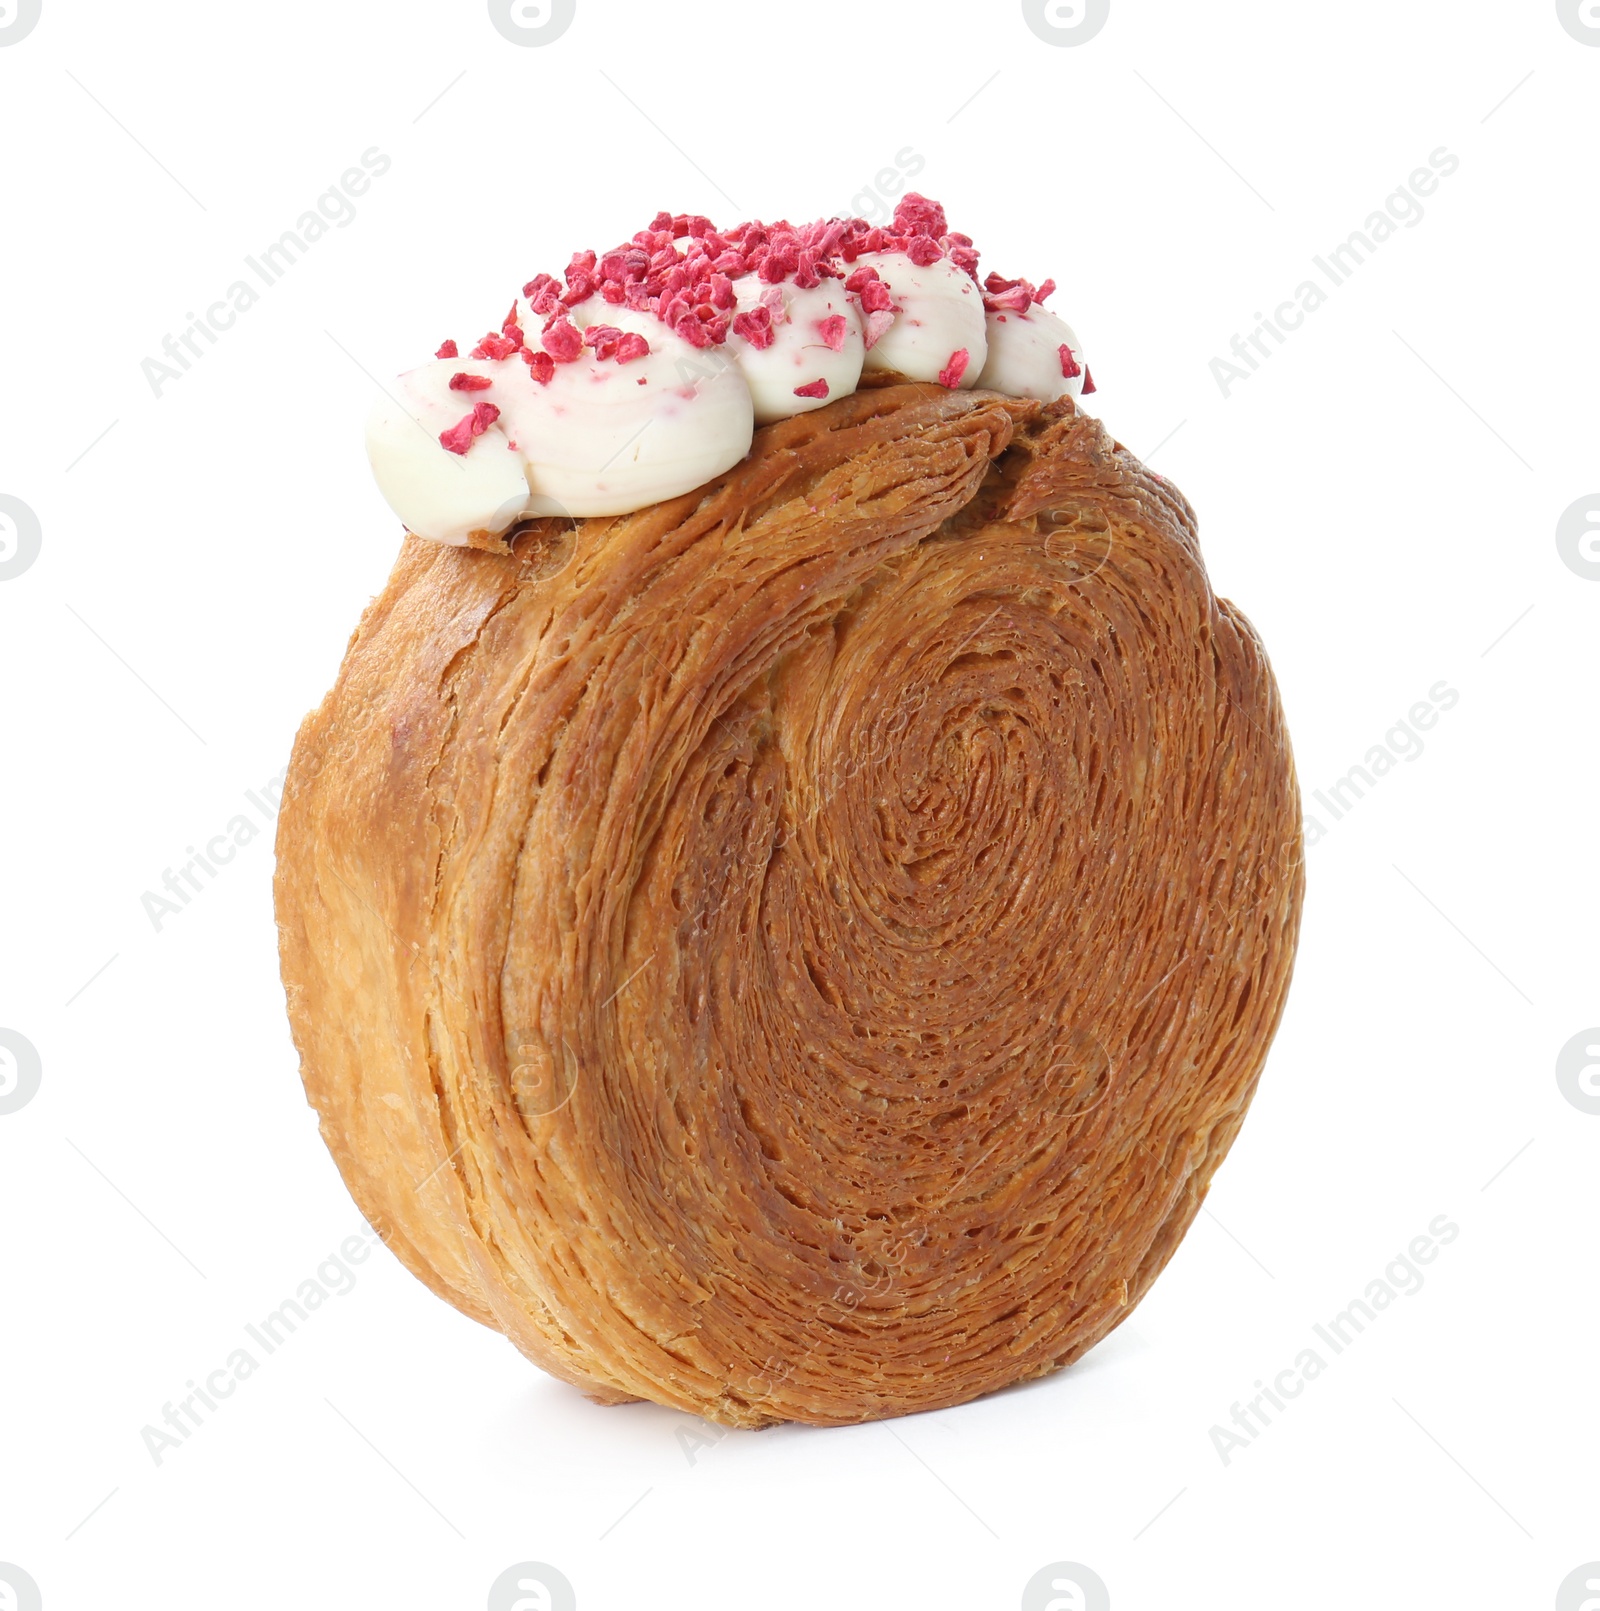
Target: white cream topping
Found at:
603, 438
800, 353
438, 494
1025, 355
941, 312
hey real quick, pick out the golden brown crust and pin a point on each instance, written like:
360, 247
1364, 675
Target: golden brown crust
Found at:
801, 950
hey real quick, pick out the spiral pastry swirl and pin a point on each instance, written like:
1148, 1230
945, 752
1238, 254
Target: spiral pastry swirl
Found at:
800, 951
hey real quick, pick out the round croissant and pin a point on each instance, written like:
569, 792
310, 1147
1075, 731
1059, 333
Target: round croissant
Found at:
802, 950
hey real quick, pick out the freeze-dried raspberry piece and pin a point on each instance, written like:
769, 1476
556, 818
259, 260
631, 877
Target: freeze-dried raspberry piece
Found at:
778, 264
632, 346
923, 250
952, 372
448, 350
562, 340
495, 345
876, 297
1045, 288
1069, 365
603, 338
916, 215
626, 263
815, 388
543, 292
540, 365
464, 382
693, 331
1088, 383
1018, 299
459, 437
965, 259
832, 330
878, 321
755, 325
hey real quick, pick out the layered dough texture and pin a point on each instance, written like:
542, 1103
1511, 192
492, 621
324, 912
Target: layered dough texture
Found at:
801, 950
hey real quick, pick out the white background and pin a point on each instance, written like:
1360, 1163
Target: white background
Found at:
1381, 498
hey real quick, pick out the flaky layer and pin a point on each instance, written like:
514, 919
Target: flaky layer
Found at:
800, 951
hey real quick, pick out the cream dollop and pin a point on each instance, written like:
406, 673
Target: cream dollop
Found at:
600, 438
806, 346
604, 438
941, 314
1025, 355
445, 496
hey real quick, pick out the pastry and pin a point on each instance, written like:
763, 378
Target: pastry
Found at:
787, 901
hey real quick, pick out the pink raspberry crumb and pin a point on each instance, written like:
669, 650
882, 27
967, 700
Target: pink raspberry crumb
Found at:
632, 346
1069, 364
496, 346
459, 437
448, 350
878, 322
470, 383
562, 340
540, 365
1088, 383
815, 388
952, 372
755, 325
832, 330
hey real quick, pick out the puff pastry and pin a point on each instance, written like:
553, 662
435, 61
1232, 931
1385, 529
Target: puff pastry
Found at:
801, 950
